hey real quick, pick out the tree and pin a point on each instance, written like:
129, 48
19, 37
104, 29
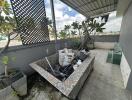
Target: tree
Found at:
73, 33
67, 29
50, 28
62, 34
49, 22
7, 22
7, 25
78, 27
90, 26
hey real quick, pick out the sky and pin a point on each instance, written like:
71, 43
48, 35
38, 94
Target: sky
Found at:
66, 15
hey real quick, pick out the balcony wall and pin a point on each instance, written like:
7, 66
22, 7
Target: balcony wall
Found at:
126, 45
106, 41
27, 54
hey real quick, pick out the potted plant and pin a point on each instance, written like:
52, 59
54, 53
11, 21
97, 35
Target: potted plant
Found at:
5, 61
12, 80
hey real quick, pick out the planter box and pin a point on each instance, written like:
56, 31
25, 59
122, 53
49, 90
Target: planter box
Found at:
71, 86
20, 86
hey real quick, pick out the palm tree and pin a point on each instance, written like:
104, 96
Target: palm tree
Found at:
78, 27
75, 25
62, 34
67, 29
73, 33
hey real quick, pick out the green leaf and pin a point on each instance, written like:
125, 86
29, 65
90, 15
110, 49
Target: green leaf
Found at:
102, 24
5, 60
62, 34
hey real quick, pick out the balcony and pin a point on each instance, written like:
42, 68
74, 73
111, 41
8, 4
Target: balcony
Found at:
37, 37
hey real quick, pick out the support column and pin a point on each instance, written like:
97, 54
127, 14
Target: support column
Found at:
53, 18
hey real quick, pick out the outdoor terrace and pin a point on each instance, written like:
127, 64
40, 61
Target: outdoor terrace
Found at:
31, 70
104, 83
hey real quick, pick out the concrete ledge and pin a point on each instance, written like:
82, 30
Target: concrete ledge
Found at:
19, 85
104, 45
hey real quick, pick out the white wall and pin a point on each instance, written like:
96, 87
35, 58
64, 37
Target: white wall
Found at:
125, 70
126, 45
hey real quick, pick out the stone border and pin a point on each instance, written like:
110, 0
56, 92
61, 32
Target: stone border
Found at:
71, 86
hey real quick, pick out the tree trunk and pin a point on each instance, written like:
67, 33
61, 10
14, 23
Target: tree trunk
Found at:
69, 34
85, 42
8, 42
6, 71
80, 34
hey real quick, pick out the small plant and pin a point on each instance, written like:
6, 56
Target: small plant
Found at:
14, 93
5, 61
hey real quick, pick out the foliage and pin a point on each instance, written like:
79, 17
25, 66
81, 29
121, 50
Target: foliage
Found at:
76, 43
77, 26
5, 7
6, 59
50, 28
67, 29
62, 34
90, 26
73, 33
7, 23
49, 22
14, 93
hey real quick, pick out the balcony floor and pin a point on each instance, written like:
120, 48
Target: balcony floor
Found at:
104, 83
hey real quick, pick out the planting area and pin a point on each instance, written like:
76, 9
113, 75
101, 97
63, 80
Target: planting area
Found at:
66, 71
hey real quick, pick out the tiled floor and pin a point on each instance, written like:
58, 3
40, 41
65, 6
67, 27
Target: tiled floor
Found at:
105, 82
